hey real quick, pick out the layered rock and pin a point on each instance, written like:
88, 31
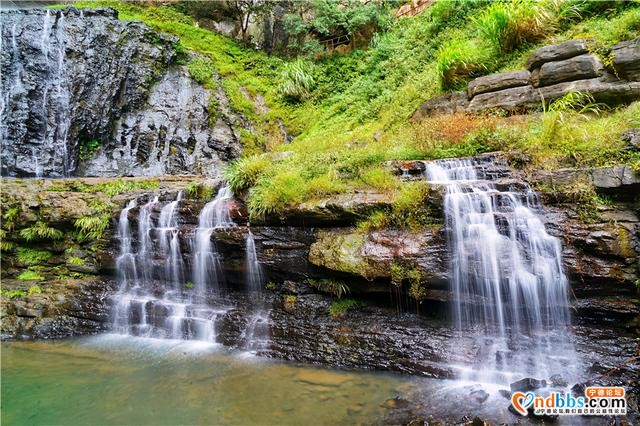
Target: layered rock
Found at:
552, 72
80, 82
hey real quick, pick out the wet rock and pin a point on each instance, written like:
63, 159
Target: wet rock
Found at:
527, 384
479, 395
626, 59
505, 393
576, 68
555, 52
495, 82
79, 76
395, 403
558, 381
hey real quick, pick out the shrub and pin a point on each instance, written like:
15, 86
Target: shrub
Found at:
40, 231
32, 257
74, 260
296, 80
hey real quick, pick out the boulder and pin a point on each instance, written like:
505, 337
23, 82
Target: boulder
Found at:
626, 59
577, 68
632, 138
445, 104
527, 384
370, 255
555, 52
512, 99
495, 82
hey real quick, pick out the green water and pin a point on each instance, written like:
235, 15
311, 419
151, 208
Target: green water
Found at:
119, 380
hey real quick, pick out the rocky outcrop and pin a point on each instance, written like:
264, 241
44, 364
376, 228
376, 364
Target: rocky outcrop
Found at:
552, 72
80, 83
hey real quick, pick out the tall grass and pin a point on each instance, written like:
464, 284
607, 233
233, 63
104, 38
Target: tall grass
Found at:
296, 80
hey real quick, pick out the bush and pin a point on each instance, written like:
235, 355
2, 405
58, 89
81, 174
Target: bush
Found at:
296, 80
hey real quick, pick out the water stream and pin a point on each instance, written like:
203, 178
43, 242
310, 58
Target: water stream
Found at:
506, 273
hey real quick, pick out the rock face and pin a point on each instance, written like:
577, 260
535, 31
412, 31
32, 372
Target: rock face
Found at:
79, 82
554, 71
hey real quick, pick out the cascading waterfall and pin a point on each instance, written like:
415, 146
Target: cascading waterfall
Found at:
257, 334
207, 263
153, 300
506, 272
254, 270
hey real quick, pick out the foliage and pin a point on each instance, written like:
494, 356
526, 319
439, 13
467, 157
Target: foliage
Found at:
87, 149
40, 231
12, 293
30, 275
401, 273
34, 289
290, 299
4, 244
32, 257
339, 308
201, 69
333, 287
74, 260
244, 173
296, 80
92, 227
199, 190
409, 208
461, 59
10, 215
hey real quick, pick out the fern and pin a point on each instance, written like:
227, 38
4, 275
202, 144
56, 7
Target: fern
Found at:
92, 227
336, 288
40, 231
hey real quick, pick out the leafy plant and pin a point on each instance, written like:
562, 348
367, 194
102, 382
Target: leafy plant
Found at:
34, 289
30, 275
339, 308
88, 148
92, 227
13, 293
32, 257
10, 215
4, 244
333, 287
296, 80
74, 260
40, 231
459, 60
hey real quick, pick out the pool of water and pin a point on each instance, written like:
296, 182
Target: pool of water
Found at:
114, 379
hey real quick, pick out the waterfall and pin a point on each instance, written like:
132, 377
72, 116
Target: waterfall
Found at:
506, 271
62, 107
207, 263
153, 299
254, 271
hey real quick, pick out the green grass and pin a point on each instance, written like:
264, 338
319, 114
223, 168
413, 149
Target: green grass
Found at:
349, 113
30, 275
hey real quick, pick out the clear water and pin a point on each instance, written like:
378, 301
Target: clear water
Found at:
114, 379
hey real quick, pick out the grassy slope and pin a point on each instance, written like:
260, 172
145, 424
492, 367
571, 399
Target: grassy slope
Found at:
356, 115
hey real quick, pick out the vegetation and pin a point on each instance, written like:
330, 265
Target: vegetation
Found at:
333, 287
92, 227
348, 113
88, 148
74, 260
34, 289
40, 231
32, 257
339, 308
30, 275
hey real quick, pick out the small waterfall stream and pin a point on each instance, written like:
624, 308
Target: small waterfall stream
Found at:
152, 300
506, 272
257, 334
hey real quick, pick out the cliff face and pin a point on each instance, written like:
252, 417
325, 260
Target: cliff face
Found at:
86, 94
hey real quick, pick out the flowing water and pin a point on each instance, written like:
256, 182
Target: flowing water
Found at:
506, 272
154, 299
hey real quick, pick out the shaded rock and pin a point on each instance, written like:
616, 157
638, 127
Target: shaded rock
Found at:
626, 59
395, 403
632, 138
479, 395
555, 52
495, 82
445, 104
512, 99
576, 68
505, 393
408, 168
527, 384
